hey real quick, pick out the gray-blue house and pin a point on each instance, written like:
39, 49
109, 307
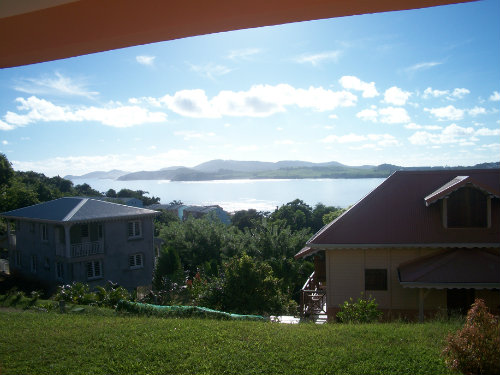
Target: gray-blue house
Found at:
82, 239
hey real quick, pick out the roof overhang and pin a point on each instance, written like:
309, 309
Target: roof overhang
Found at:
457, 268
451, 285
43, 30
311, 249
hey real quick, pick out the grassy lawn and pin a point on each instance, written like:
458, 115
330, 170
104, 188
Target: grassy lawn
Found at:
85, 343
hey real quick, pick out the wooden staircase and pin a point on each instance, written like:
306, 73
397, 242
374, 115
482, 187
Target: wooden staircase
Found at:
313, 300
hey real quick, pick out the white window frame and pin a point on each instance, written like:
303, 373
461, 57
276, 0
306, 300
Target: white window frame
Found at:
135, 261
134, 229
44, 234
94, 270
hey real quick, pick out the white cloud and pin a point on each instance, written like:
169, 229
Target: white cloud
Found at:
422, 66
243, 54
452, 134
258, 101
495, 97
413, 126
488, 132
388, 115
392, 115
60, 85
396, 96
477, 111
115, 115
457, 93
190, 103
379, 140
4, 142
5, 126
190, 134
145, 60
354, 83
446, 113
368, 115
211, 71
285, 142
318, 58
247, 148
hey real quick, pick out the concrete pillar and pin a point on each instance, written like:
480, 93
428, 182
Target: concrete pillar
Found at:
67, 240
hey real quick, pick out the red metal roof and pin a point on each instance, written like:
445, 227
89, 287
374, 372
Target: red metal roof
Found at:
459, 268
395, 213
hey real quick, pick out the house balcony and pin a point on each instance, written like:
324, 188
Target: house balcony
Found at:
79, 250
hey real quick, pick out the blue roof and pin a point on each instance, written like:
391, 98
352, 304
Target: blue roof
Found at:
75, 209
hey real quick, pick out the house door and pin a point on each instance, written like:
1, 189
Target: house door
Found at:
459, 300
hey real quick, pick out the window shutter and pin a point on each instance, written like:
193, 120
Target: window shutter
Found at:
138, 260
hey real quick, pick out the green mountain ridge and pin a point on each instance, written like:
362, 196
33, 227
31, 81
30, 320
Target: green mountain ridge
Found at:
233, 169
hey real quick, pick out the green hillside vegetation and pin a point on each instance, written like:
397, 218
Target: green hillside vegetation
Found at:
88, 341
231, 169
21, 189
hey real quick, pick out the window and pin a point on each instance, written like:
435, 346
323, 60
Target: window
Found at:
84, 230
94, 270
99, 231
46, 263
32, 227
467, 208
33, 263
43, 232
375, 279
135, 261
134, 229
59, 270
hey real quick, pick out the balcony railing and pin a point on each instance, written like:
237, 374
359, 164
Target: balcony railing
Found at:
86, 248
83, 249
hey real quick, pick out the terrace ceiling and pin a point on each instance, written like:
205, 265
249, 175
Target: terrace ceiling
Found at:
33, 31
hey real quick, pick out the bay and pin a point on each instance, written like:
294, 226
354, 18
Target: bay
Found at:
234, 195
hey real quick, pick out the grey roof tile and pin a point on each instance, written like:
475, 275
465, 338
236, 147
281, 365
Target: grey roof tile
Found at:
75, 209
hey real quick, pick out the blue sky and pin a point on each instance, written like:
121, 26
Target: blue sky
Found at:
411, 88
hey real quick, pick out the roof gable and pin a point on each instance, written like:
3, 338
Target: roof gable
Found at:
457, 183
76, 209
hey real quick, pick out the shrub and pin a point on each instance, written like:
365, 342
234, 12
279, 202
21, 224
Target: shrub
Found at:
475, 349
80, 294
110, 294
363, 310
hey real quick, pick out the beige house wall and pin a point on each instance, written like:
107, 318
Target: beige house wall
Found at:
346, 278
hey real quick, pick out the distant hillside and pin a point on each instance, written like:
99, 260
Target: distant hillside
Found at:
111, 175
293, 169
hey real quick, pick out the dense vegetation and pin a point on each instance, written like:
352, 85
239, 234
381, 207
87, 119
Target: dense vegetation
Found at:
91, 341
247, 267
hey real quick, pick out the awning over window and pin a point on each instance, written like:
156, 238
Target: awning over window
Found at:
456, 268
455, 184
